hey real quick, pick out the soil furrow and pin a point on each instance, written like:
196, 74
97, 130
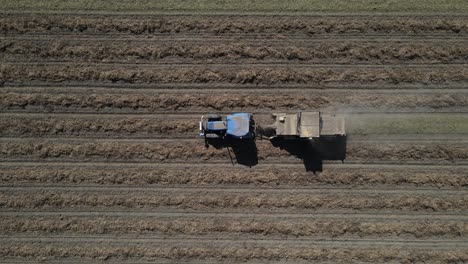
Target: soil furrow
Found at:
223, 240
318, 215
256, 88
257, 215
353, 243
235, 189
252, 38
230, 65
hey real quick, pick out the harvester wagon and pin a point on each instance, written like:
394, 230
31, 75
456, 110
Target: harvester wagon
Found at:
304, 125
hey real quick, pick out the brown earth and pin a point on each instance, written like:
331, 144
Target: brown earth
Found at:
99, 159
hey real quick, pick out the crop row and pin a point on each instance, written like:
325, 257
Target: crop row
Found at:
110, 127
223, 101
194, 150
233, 75
231, 24
442, 177
346, 52
231, 200
233, 227
115, 126
247, 252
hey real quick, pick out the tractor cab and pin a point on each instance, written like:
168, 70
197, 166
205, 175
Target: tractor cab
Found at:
237, 126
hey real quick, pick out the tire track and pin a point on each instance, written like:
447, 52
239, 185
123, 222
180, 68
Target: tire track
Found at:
209, 89
236, 189
232, 65
245, 15
131, 88
275, 39
352, 243
196, 140
384, 216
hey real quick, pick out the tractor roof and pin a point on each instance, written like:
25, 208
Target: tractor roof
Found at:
238, 125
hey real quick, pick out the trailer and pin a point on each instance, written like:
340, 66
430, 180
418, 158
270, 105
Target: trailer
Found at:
304, 125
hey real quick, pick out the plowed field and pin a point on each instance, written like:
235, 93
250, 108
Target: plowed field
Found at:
100, 160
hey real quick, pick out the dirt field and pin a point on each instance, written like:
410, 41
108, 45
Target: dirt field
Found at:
100, 160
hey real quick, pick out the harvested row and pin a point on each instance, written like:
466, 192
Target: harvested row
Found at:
269, 176
100, 126
186, 126
65, 73
188, 52
232, 227
194, 151
216, 251
224, 199
151, 25
206, 101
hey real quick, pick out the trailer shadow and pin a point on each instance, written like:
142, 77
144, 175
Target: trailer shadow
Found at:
314, 152
311, 152
243, 152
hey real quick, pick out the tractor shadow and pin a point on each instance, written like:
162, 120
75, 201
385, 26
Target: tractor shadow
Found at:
313, 153
243, 152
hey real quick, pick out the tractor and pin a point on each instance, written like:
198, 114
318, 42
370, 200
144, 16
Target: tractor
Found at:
240, 126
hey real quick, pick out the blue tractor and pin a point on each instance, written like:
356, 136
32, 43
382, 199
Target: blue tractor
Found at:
238, 126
